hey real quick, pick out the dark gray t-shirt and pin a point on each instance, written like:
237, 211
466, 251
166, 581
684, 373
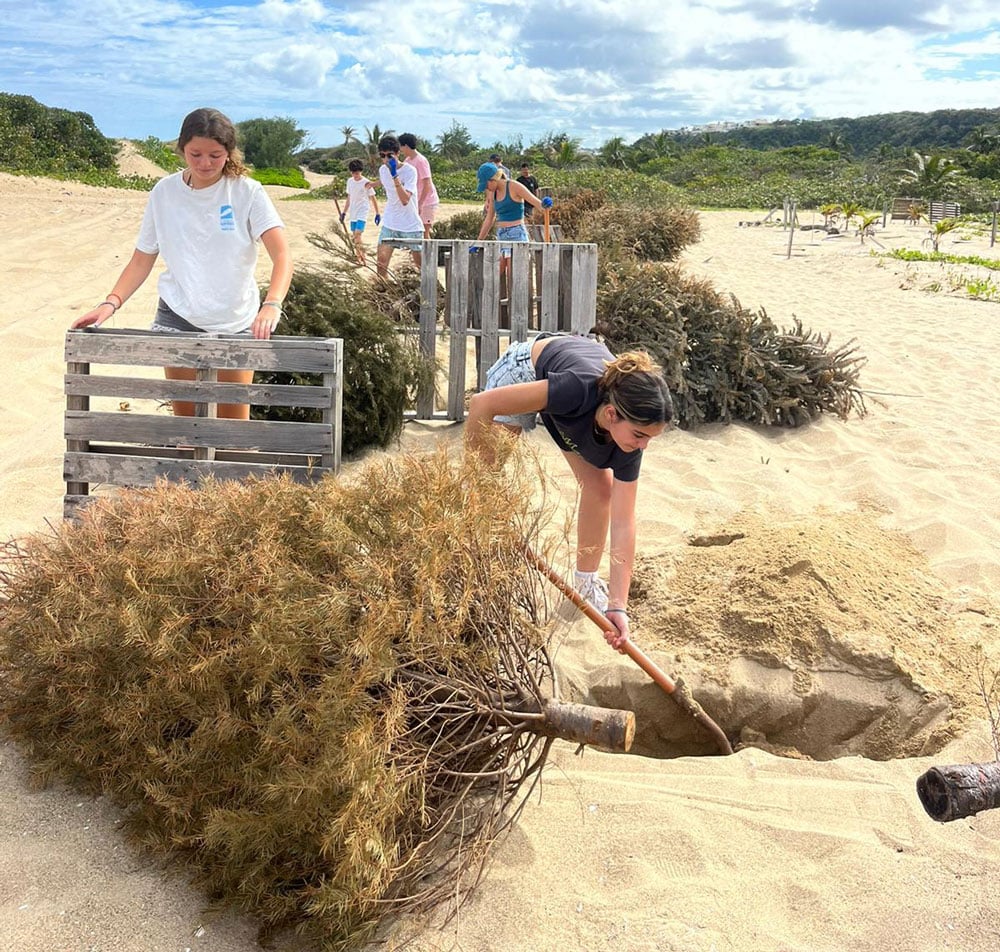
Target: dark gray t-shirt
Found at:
572, 366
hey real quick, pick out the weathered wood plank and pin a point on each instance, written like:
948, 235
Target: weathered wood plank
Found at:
186, 452
428, 325
163, 391
126, 470
458, 329
551, 257
80, 403
267, 435
332, 416
223, 352
583, 290
520, 291
73, 503
487, 349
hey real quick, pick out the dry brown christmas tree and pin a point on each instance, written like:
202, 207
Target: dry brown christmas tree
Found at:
329, 701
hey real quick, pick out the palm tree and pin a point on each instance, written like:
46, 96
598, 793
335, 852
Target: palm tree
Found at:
348, 133
830, 213
372, 136
455, 142
939, 229
849, 210
867, 227
931, 173
563, 150
982, 141
836, 142
614, 153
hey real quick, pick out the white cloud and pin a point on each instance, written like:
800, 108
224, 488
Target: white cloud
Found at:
300, 66
595, 68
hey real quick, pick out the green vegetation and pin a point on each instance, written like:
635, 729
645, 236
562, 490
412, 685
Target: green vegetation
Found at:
906, 254
722, 361
41, 140
865, 163
270, 143
160, 153
380, 371
292, 177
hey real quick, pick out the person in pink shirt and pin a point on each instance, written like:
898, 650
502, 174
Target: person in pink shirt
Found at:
427, 196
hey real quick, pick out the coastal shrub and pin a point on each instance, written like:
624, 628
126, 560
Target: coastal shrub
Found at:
159, 153
618, 184
640, 231
41, 139
722, 361
380, 371
292, 177
571, 207
464, 225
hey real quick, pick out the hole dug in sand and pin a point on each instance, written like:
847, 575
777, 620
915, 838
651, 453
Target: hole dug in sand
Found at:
814, 638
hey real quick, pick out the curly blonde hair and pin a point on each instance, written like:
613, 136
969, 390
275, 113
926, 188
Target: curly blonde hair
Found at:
633, 384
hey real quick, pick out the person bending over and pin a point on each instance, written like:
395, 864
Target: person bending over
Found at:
601, 411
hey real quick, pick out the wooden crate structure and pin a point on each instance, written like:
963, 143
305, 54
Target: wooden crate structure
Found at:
551, 287
937, 211
121, 446
902, 207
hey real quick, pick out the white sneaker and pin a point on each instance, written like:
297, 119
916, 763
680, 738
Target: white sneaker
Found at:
594, 589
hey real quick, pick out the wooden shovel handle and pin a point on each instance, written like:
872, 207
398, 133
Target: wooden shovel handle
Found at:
682, 697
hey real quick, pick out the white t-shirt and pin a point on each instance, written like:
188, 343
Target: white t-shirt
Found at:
396, 215
207, 238
359, 198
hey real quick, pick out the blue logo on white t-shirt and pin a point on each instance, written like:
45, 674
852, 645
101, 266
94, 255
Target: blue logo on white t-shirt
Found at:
227, 218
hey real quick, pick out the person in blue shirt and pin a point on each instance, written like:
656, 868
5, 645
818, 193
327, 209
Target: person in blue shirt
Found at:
601, 411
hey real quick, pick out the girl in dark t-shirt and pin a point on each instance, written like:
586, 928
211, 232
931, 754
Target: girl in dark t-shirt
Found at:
601, 411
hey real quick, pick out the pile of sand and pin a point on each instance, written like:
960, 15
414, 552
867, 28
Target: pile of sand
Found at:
130, 162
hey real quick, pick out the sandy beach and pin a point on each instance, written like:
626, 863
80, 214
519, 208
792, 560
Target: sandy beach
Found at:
836, 634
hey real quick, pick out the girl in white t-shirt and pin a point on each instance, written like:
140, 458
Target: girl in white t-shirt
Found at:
206, 221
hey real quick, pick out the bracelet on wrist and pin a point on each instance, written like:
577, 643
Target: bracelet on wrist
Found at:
111, 304
115, 294
276, 304
615, 611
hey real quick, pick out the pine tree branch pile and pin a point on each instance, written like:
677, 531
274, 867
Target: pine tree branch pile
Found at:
722, 361
327, 700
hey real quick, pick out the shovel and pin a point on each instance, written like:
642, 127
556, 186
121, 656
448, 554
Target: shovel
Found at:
676, 689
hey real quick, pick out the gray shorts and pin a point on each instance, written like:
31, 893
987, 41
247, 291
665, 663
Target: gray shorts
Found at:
168, 321
514, 366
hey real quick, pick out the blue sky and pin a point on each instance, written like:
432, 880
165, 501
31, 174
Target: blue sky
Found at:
592, 68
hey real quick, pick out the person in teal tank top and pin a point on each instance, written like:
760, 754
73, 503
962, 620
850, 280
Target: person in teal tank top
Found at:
505, 207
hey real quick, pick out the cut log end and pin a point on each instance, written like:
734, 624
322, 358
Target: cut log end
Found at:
960, 790
594, 726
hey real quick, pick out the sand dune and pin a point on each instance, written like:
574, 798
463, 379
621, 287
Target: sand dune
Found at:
852, 604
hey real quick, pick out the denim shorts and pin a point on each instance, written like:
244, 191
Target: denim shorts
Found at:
408, 239
511, 233
514, 366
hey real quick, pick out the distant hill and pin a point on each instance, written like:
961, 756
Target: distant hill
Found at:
942, 129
